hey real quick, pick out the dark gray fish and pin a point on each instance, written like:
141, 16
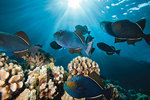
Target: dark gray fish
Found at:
87, 87
72, 40
125, 30
110, 50
83, 29
17, 43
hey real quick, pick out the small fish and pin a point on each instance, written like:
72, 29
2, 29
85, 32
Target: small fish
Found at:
110, 50
86, 87
125, 30
17, 43
72, 40
83, 29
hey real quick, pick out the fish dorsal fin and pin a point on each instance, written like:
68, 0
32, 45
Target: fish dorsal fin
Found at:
131, 42
97, 79
141, 23
79, 34
23, 36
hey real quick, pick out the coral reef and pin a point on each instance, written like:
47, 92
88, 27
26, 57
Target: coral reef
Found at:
66, 96
46, 81
58, 73
32, 80
83, 66
27, 95
11, 79
41, 58
120, 93
47, 85
115, 93
3, 59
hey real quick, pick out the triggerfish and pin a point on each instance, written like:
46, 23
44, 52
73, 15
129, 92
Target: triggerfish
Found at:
125, 30
17, 43
72, 40
110, 50
85, 87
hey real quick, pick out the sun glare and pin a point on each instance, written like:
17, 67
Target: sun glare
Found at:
74, 4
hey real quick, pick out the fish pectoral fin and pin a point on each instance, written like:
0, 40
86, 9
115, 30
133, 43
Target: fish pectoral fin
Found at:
19, 54
119, 40
110, 53
54, 45
131, 42
72, 51
23, 36
79, 34
141, 23
94, 76
112, 47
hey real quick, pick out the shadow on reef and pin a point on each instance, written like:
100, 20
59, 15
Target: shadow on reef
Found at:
129, 73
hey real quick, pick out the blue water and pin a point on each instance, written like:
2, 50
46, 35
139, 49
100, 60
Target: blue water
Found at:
40, 19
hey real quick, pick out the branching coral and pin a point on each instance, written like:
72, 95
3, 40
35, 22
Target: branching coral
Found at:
3, 59
46, 81
83, 65
66, 96
47, 86
115, 93
32, 80
11, 79
58, 73
27, 95
41, 58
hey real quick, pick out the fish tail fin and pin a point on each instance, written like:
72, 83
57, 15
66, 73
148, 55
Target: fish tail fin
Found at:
34, 50
89, 32
147, 38
88, 47
118, 52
